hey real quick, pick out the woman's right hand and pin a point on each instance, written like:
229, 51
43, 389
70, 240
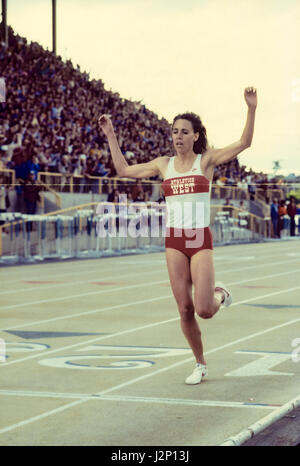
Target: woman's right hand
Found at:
105, 124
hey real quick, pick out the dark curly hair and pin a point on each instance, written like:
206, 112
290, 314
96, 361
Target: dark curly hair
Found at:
201, 144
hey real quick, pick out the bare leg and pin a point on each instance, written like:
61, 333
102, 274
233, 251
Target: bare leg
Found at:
181, 282
207, 300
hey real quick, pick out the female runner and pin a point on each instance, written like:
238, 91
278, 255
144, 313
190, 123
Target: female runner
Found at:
189, 246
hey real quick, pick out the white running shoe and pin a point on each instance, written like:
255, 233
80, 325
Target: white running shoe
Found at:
198, 373
227, 293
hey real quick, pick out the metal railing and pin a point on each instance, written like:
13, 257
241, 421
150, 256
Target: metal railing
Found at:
101, 229
8, 176
56, 183
85, 184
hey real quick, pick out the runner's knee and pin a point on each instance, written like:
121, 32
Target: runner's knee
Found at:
204, 312
186, 311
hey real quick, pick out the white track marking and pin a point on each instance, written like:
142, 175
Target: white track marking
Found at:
90, 263
263, 277
59, 285
78, 273
70, 316
80, 295
132, 330
104, 337
139, 399
93, 311
93, 268
144, 377
39, 417
80, 282
90, 293
64, 274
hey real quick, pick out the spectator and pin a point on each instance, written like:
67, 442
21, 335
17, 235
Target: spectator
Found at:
91, 184
228, 207
64, 168
2, 198
19, 163
113, 195
3, 201
54, 105
282, 211
252, 191
274, 218
32, 166
221, 181
19, 189
31, 194
137, 191
51, 111
129, 197
100, 169
243, 186
242, 205
9, 146
79, 170
292, 212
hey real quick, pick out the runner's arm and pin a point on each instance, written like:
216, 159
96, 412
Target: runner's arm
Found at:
228, 153
140, 170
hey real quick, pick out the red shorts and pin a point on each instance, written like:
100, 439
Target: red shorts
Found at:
189, 241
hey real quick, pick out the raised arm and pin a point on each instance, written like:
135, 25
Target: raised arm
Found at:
224, 155
141, 170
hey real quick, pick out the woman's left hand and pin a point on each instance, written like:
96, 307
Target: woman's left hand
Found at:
250, 95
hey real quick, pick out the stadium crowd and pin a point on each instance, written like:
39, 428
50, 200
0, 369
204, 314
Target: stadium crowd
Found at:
48, 121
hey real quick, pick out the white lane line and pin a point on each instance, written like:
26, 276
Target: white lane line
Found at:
96, 265
93, 311
144, 377
110, 290
263, 277
98, 310
139, 399
123, 332
80, 272
80, 282
39, 417
80, 295
132, 330
186, 402
192, 358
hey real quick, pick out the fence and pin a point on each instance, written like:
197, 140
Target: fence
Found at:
56, 183
105, 229
85, 184
104, 185
7, 176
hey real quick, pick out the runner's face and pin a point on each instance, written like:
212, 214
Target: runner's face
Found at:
183, 136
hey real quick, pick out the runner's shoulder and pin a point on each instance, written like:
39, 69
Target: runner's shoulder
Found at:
162, 164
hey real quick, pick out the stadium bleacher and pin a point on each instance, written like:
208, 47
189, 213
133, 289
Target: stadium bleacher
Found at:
49, 121
49, 132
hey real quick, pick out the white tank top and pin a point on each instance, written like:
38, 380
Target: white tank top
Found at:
187, 197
